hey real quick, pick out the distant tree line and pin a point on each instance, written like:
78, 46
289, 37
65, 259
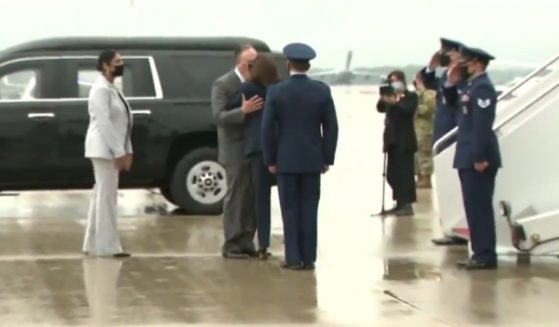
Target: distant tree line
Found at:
497, 75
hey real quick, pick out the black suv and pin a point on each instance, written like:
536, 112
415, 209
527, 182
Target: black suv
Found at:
44, 86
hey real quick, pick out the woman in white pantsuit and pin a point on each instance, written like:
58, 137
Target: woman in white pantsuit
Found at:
108, 146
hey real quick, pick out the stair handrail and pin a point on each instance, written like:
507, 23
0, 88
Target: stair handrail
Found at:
510, 117
453, 132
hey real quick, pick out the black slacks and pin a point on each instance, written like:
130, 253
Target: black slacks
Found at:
400, 175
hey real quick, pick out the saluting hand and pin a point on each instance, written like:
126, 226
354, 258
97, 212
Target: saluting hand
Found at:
253, 104
434, 62
453, 74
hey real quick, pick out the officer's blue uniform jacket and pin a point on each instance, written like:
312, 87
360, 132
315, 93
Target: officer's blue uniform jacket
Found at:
300, 146
476, 141
446, 114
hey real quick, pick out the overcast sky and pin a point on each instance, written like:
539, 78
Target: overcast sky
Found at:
379, 32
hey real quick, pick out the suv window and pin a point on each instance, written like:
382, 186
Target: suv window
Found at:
137, 80
200, 71
88, 76
20, 84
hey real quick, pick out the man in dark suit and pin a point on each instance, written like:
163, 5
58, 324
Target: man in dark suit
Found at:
239, 221
263, 73
299, 139
477, 156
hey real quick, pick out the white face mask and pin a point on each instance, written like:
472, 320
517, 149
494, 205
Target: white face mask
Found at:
398, 85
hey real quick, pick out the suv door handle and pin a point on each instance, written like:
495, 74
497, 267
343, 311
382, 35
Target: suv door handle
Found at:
40, 115
141, 112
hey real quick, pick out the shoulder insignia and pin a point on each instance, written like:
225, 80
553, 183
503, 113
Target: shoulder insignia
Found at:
483, 103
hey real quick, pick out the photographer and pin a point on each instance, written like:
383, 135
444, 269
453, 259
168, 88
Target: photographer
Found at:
400, 143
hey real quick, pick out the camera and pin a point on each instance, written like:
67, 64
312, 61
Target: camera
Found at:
385, 87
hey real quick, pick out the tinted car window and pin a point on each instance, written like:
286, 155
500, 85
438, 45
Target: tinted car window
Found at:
20, 84
199, 71
137, 80
87, 76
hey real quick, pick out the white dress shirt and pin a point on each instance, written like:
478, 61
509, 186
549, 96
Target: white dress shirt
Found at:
239, 75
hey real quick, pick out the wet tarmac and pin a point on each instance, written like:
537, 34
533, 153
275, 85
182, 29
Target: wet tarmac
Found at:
370, 272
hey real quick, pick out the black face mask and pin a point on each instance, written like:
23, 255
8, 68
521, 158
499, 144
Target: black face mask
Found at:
444, 60
119, 70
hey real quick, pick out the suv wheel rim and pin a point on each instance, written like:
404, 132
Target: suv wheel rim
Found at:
206, 182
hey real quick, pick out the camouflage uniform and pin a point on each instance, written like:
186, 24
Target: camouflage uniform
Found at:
424, 123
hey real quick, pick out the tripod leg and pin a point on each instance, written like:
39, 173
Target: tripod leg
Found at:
383, 183
382, 210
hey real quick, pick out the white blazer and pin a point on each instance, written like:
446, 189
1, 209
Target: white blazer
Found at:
110, 123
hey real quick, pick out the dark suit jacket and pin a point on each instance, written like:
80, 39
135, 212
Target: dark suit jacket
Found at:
303, 112
253, 121
399, 131
230, 129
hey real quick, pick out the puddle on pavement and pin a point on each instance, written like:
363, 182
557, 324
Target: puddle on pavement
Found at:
406, 270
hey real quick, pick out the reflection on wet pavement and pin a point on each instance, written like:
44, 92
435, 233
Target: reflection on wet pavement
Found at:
370, 272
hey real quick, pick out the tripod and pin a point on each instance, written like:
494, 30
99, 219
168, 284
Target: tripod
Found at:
382, 212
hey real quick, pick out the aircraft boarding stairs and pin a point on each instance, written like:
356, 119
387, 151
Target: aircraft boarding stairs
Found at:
527, 186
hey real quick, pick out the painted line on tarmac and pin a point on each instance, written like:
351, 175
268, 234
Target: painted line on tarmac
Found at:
6, 258
399, 299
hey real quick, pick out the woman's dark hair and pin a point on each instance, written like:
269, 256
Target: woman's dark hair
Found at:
263, 71
105, 57
399, 76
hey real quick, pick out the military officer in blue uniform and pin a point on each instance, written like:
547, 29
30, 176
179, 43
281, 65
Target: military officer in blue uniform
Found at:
446, 114
477, 156
299, 139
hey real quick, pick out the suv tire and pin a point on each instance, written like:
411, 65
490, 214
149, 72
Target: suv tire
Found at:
199, 183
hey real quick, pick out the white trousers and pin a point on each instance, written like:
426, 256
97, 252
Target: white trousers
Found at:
101, 234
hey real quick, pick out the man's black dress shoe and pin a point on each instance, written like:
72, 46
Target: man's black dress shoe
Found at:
308, 266
477, 265
291, 266
447, 240
122, 255
235, 255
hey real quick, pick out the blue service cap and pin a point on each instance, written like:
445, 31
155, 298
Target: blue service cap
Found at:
448, 44
299, 52
469, 53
